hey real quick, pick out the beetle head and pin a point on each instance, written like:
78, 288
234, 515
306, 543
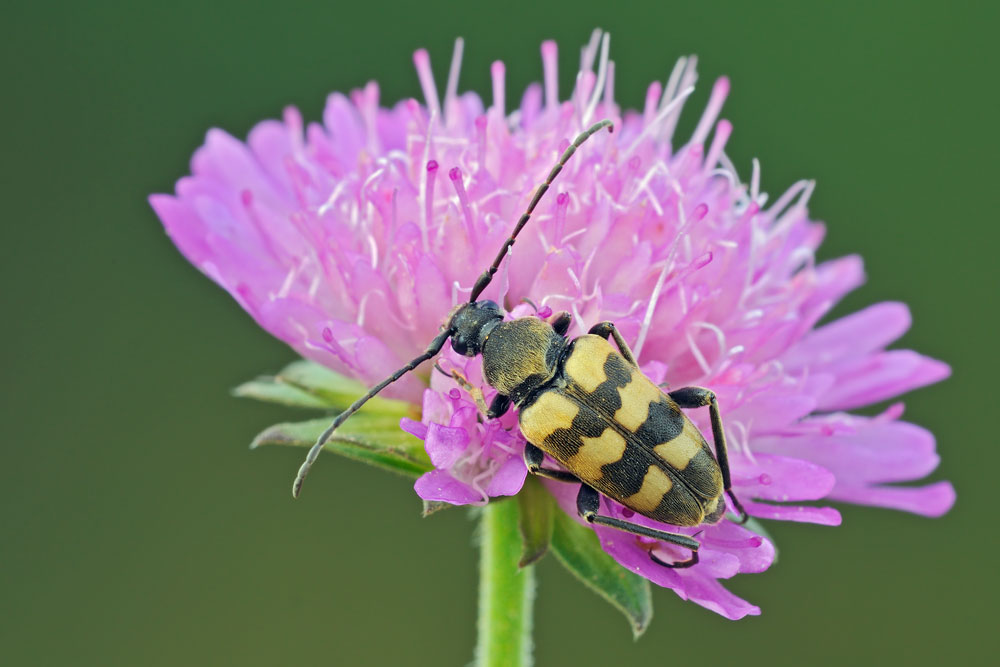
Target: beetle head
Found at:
470, 324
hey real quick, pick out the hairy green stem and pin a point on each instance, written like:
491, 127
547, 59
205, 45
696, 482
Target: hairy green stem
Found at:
506, 593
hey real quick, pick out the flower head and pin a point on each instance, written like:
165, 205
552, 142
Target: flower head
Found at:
351, 240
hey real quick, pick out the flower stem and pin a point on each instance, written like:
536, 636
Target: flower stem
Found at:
506, 594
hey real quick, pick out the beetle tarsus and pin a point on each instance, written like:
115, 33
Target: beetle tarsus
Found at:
690, 562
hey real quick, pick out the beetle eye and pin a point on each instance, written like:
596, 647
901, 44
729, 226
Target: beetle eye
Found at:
459, 345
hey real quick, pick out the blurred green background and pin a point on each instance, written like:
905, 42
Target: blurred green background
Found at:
138, 529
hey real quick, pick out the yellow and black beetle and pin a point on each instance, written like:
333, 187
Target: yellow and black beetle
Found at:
589, 407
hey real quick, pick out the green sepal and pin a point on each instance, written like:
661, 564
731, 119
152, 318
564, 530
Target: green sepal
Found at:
435, 506
375, 439
535, 520
579, 549
309, 385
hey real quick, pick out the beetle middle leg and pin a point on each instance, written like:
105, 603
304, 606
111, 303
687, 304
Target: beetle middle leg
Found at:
533, 458
697, 397
605, 329
588, 502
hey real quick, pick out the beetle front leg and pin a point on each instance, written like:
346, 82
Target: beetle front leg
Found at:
498, 406
697, 397
588, 503
475, 392
605, 329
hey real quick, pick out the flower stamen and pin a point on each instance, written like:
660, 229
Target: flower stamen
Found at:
422, 61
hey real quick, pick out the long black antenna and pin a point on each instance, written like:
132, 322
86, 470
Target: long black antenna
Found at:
484, 280
435, 345
433, 348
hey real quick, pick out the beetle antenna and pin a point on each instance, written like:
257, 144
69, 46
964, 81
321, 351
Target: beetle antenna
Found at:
484, 280
433, 348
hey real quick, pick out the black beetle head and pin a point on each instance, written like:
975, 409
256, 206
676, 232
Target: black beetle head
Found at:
470, 324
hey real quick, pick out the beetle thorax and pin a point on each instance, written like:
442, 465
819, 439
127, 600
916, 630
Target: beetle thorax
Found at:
520, 356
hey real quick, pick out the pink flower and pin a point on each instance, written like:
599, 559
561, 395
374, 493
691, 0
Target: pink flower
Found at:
351, 240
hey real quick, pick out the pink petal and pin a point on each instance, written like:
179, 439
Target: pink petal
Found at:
780, 478
855, 335
824, 516
413, 427
860, 449
440, 486
931, 500
445, 445
509, 479
880, 376
710, 594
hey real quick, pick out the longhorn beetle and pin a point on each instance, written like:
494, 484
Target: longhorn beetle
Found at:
588, 407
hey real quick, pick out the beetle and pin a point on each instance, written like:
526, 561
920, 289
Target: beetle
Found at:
589, 407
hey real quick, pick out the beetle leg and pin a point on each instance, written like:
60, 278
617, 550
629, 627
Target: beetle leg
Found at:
533, 457
560, 322
588, 502
605, 329
697, 397
475, 392
498, 406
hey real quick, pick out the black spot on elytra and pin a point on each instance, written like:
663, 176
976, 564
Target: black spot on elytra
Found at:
702, 475
563, 443
678, 507
626, 474
664, 423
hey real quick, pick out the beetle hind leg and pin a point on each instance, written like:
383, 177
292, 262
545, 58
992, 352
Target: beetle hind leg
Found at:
588, 503
697, 397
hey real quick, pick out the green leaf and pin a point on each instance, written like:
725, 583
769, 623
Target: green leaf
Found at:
339, 390
269, 390
579, 549
307, 384
375, 439
536, 510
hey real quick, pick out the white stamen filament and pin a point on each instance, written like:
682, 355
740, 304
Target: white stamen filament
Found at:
424, 222
589, 52
609, 89
696, 352
602, 73
422, 61
660, 117
785, 199
451, 91
688, 77
328, 204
